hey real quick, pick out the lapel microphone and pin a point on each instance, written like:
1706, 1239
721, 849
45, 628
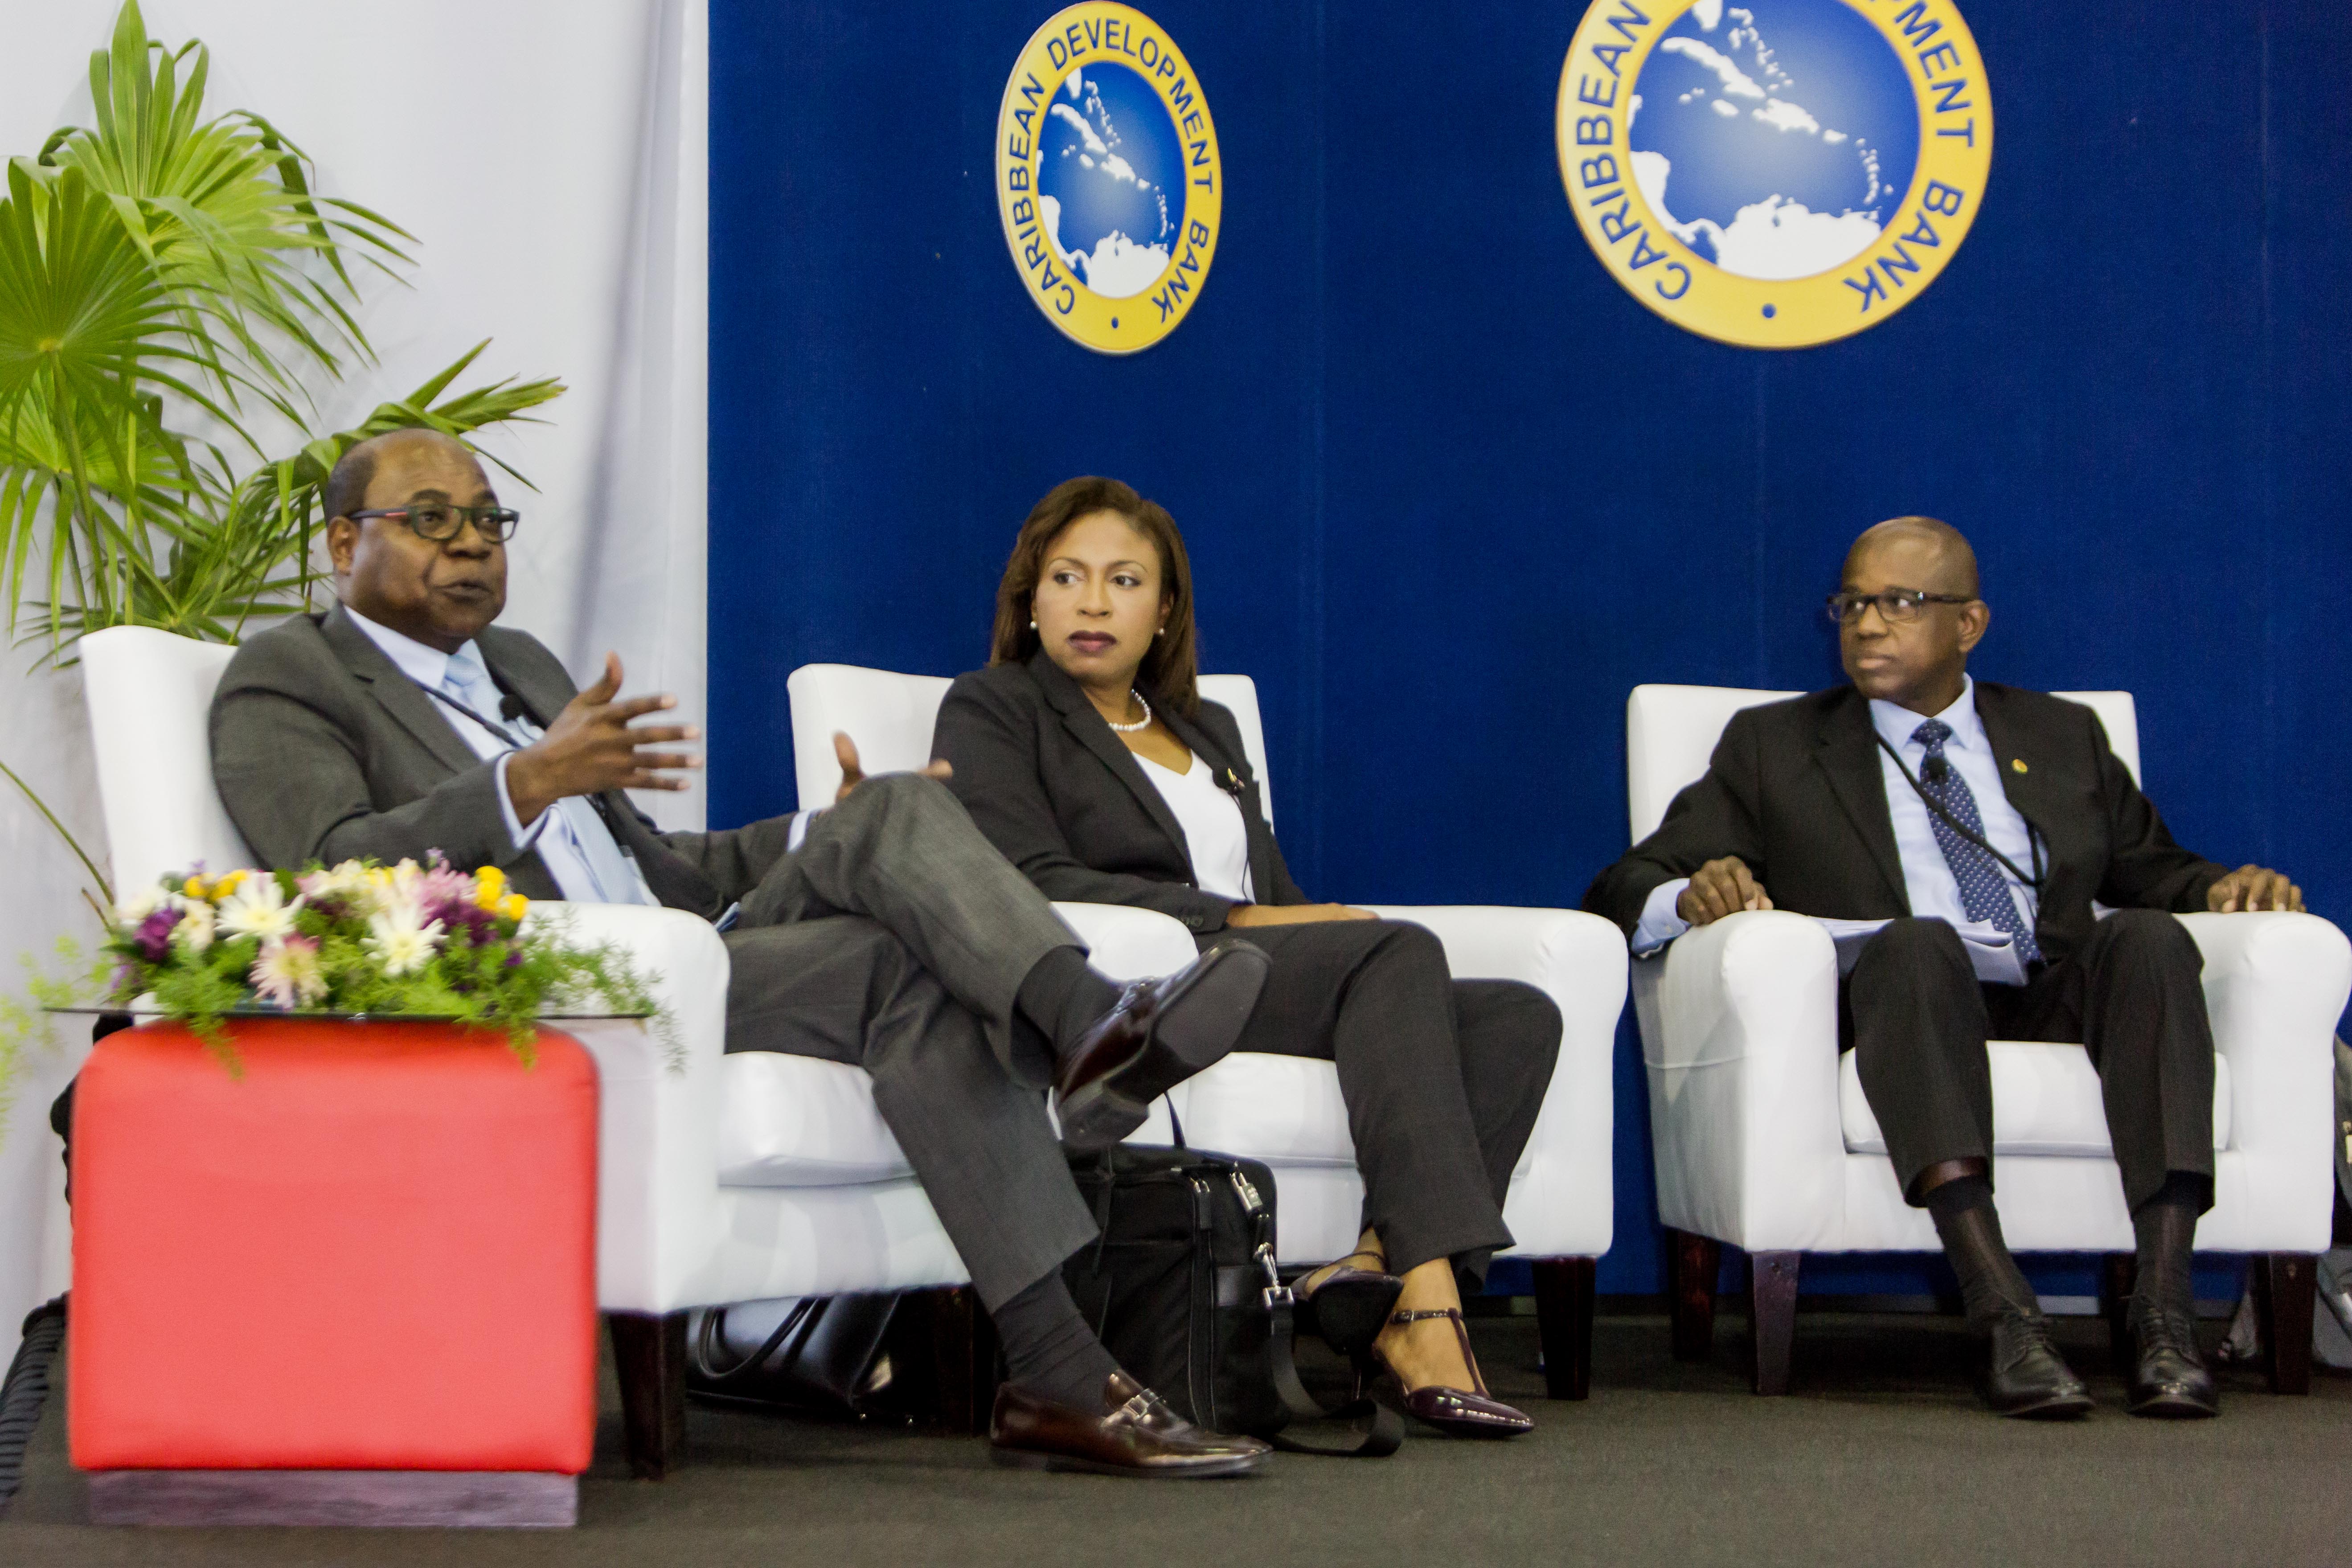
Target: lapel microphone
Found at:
1935, 770
510, 708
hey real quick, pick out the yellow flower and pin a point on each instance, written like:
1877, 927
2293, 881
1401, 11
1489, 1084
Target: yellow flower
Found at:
192, 887
512, 906
489, 887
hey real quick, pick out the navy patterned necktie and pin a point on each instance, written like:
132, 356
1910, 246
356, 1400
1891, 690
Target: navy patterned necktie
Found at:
1984, 891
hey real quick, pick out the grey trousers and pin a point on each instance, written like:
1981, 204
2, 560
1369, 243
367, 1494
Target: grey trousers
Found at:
1917, 1020
896, 939
1443, 1077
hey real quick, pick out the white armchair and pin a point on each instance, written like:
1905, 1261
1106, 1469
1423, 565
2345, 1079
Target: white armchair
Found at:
722, 1179
1287, 1110
1764, 1140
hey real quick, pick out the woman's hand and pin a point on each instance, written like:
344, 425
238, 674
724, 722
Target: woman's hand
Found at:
1294, 914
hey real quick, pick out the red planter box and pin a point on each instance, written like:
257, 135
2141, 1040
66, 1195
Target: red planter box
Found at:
375, 1250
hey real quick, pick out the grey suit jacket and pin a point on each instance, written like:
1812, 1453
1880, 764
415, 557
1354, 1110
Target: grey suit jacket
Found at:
323, 750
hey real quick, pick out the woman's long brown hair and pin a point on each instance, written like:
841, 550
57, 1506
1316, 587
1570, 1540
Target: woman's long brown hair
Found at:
1172, 667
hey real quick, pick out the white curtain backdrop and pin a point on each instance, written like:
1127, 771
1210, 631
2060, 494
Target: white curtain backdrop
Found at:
550, 157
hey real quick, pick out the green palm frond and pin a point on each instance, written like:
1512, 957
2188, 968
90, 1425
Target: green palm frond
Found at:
160, 263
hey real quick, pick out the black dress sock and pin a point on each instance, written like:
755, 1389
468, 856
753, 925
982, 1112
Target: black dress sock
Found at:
1969, 1227
2166, 1229
1049, 1350
1063, 997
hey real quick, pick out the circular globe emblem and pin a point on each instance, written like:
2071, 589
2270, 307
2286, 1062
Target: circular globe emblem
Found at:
1776, 174
1108, 177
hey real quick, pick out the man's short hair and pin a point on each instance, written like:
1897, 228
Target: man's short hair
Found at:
347, 482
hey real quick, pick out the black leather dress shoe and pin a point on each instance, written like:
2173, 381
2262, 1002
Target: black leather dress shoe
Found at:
2168, 1378
2024, 1374
1160, 1033
1134, 1433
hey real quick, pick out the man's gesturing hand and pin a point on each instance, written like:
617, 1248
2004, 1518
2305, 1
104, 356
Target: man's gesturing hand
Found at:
591, 748
2253, 887
845, 751
1720, 887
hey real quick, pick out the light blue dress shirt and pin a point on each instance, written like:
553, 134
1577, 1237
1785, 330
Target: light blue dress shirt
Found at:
579, 851
1934, 891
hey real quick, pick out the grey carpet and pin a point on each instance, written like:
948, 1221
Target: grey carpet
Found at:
1881, 1456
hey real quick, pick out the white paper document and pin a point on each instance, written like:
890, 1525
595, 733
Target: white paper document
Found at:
1990, 949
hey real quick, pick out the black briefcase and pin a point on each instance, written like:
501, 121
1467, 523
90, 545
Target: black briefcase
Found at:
1182, 1291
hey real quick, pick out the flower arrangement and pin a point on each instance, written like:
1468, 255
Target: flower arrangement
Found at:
359, 938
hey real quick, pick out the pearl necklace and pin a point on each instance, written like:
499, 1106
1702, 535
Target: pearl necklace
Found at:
1142, 723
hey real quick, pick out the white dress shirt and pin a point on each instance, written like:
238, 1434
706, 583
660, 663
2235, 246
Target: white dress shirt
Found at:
1213, 829
557, 832
1934, 891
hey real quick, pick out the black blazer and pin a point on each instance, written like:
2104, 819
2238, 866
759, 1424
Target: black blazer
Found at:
323, 750
1794, 790
1067, 803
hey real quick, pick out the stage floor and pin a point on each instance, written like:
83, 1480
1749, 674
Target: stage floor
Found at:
1882, 1456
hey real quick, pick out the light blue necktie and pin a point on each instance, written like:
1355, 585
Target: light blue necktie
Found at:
583, 832
1984, 892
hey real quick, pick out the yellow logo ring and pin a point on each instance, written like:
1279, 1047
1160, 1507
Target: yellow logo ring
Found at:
1597, 100
1102, 33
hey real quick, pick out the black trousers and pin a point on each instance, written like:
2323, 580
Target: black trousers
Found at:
1916, 1019
1443, 1077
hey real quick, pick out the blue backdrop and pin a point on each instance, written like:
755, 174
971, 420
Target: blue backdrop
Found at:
1450, 492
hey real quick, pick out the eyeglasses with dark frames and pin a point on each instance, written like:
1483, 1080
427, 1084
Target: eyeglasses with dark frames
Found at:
439, 521
1896, 607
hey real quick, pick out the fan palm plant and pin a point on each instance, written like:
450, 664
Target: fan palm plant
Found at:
171, 290
166, 280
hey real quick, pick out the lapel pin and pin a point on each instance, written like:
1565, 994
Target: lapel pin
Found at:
2017, 765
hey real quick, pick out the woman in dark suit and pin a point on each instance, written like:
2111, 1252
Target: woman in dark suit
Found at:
1085, 753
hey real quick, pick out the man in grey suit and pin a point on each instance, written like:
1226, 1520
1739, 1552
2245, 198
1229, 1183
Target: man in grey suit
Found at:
883, 931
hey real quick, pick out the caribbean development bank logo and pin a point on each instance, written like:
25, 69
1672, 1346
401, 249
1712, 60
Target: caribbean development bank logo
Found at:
1780, 172
1108, 177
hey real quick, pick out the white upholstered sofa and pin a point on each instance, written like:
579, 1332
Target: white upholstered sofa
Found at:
1763, 1139
1287, 1110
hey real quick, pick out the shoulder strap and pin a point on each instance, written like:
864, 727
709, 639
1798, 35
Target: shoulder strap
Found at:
1379, 1431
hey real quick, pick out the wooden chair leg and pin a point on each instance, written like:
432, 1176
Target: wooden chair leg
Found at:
1773, 1316
1564, 1288
649, 1354
2118, 1274
2286, 1287
964, 1342
1692, 1262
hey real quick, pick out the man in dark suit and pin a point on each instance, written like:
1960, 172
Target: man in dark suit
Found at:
884, 931
1923, 798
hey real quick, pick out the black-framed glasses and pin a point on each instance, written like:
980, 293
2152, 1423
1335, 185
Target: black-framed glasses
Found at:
1896, 606
440, 520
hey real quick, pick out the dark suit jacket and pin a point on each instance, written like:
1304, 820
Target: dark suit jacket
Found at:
1067, 803
323, 750
1795, 790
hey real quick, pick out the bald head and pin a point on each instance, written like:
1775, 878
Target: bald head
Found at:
347, 485
1929, 544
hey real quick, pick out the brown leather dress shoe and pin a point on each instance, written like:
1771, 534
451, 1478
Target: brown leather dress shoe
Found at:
1160, 1033
1134, 1433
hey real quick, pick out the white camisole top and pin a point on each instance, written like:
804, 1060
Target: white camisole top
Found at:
1212, 821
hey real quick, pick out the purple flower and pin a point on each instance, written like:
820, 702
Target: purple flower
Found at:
479, 925
153, 936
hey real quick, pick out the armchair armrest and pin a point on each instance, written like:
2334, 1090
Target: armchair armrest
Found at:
1561, 1202
1739, 1039
1127, 943
657, 1219
2274, 986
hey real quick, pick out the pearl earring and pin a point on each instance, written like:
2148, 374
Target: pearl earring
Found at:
1032, 625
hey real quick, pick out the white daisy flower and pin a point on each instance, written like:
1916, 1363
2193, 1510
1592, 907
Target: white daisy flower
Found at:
259, 908
400, 939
